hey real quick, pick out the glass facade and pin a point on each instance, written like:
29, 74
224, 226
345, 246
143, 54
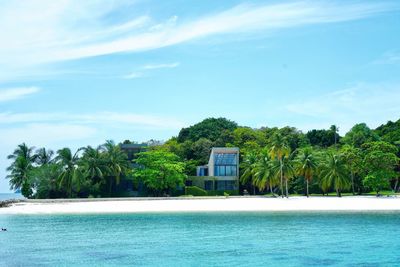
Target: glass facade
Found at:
208, 185
225, 185
202, 171
225, 164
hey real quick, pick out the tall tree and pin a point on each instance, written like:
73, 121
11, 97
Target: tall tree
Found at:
307, 165
160, 171
354, 162
380, 161
43, 156
116, 162
279, 150
264, 176
334, 173
71, 175
248, 168
23, 159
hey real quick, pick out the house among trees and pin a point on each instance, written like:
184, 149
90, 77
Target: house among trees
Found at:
221, 174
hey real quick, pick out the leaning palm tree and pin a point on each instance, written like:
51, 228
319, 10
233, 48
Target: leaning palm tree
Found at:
263, 175
116, 162
70, 174
307, 165
334, 173
248, 168
279, 150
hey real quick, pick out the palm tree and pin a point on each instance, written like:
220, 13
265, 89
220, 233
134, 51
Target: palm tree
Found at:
23, 159
279, 150
264, 176
70, 174
93, 164
334, 173
116, 161
23, 151
248, 167
284, 169
43, 156
19, 170
307, 165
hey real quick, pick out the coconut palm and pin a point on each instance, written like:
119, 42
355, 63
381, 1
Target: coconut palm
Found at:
284, 169
23, 151
307, 165
19, 170
23, 159
71, 174
263, 175
334, 173
43, 156
248, 168
279, 150
116, 161
93, 164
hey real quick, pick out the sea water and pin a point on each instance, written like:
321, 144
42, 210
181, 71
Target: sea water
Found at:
7, 196
202, 239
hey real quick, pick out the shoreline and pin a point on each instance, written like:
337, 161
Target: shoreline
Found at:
203, 204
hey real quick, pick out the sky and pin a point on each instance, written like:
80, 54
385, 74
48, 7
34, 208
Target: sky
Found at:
76, 73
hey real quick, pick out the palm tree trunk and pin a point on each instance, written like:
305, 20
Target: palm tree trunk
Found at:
395, 185
270, 189
307, 188
287, 190
352, 182
281, 167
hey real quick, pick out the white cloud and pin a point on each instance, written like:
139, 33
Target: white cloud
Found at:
363, 102
161, 66
99, 118
133, 75
16, 93
46, 32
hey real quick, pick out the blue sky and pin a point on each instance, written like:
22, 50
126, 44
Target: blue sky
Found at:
74, 73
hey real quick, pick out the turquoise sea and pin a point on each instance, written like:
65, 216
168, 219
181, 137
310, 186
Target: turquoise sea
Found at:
202, 239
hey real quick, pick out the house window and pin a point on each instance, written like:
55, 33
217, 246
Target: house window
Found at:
208, 185
225, 185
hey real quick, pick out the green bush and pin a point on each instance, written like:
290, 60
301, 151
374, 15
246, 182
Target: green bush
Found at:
226, 194
195, 191
222, 193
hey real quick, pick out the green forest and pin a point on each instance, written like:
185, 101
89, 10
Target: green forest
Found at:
277, 161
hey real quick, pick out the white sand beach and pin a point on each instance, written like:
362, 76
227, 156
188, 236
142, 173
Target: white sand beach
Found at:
240, 204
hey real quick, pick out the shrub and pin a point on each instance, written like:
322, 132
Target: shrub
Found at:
195, 191
226, 194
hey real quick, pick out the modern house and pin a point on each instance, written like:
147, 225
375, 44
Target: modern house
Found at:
127, 185
221, 174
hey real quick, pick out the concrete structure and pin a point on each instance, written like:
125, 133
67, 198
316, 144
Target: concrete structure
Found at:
221, 173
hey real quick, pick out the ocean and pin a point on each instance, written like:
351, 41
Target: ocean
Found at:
6, 196
202, 239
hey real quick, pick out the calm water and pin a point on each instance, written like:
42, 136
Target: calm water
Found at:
205, 239
5, 196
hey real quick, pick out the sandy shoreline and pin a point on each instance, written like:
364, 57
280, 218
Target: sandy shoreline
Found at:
232, 204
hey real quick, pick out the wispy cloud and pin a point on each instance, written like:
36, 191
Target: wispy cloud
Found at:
16, 93
126, 120
363, 102
390, 57
133, 75
161, 66
53, 35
